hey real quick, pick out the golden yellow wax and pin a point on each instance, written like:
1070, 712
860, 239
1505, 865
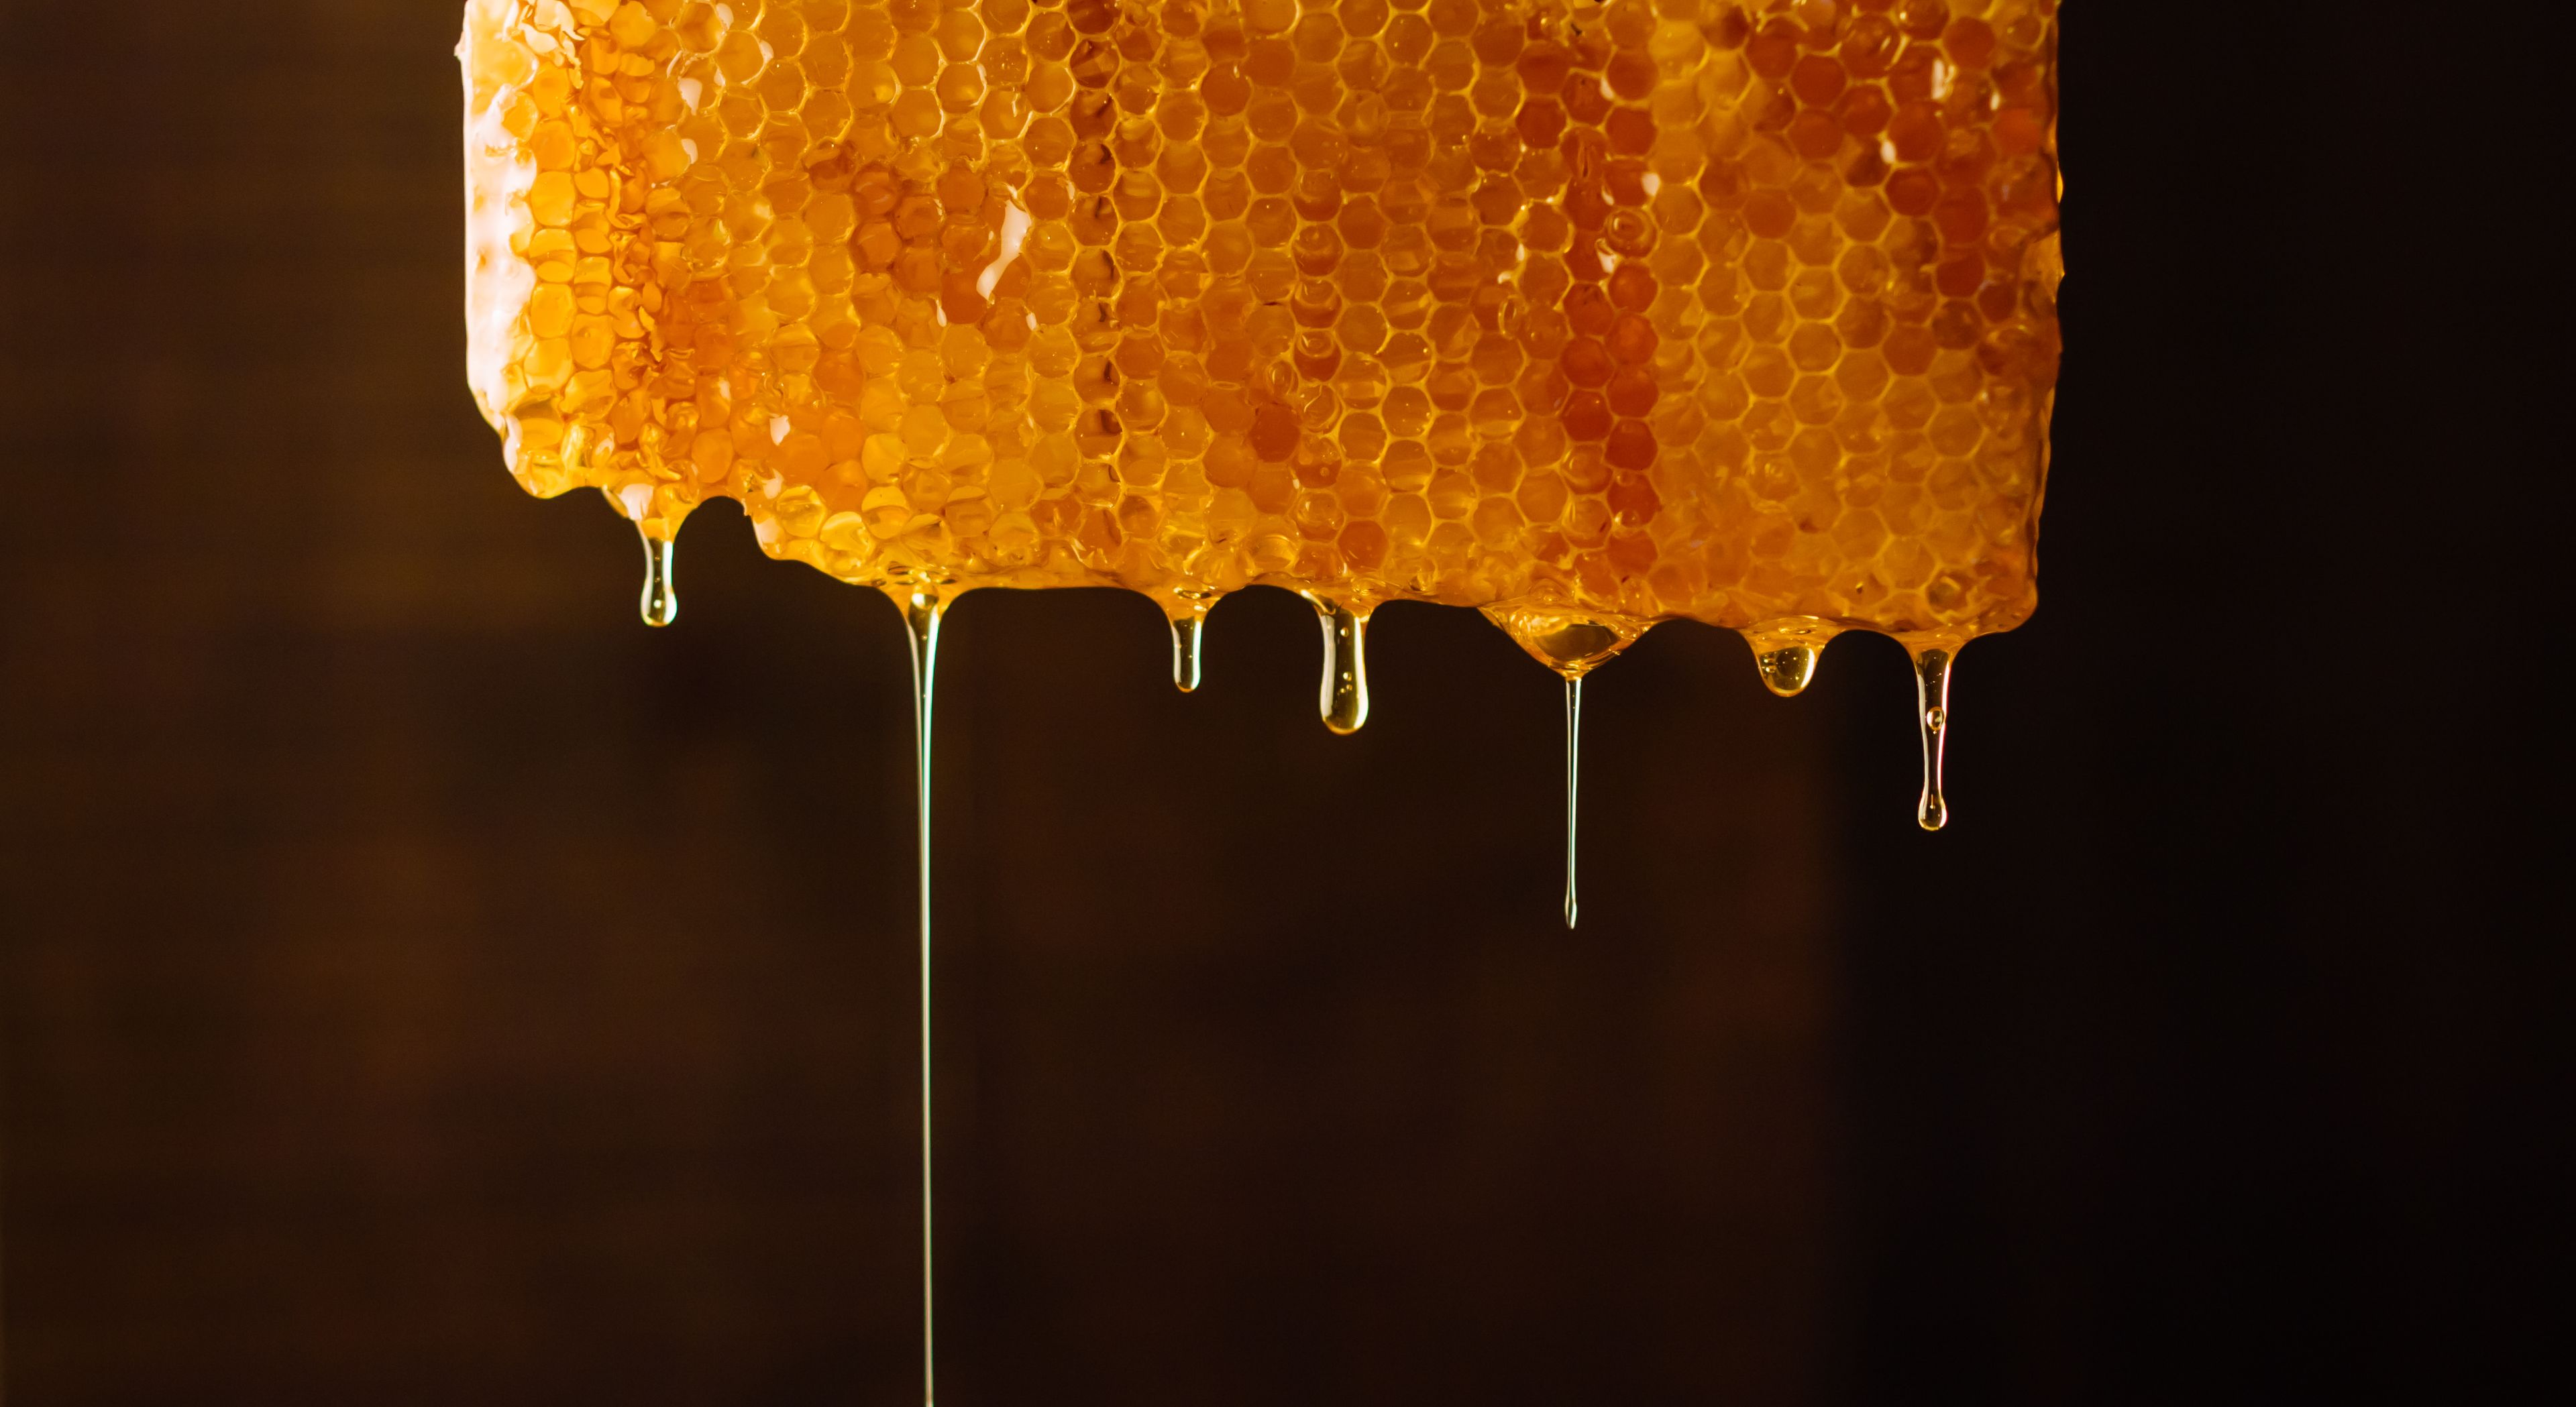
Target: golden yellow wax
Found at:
1588, 315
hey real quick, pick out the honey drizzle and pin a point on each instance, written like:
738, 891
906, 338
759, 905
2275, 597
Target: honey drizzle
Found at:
1787, 672
922, 612
1573, 788
1187, 633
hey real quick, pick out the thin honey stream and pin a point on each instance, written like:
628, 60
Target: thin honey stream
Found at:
922, 613
1189, 634
1573, 794
1932, 712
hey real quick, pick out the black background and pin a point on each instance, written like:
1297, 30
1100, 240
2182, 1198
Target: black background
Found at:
425, 985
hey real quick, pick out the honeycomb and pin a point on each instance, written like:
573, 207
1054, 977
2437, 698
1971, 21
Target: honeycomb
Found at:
1587, 315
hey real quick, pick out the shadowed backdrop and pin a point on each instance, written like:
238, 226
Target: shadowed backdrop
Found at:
423, 984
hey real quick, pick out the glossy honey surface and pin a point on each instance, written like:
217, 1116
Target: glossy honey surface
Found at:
1589, 315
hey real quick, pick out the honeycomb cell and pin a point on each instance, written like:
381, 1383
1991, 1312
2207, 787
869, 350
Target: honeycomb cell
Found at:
1586, 315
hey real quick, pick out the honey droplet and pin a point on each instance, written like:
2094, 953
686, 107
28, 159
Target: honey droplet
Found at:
1932, 711
1788, 672
1786, 651
1187, 632
1344, 700
1573, 644
921, 616
1573, 789
661, 602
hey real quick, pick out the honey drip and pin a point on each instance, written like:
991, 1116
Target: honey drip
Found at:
1932, 711
1187, 634
1787, 672
1787, 652
1573, 645
1573, 789
1344, 699
661, 601
922, 612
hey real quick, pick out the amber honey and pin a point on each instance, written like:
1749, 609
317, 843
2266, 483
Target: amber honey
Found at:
1589, 315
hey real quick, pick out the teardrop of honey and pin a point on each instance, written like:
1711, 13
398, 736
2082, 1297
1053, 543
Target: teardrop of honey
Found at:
922, 612
1344, 699
1573, 790
1187, 632
1570, 641
661, 601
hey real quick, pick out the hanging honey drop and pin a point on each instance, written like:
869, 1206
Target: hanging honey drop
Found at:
661, 600
1932, 710
1344, 700
921, 616
1573, 644
1787, 650
1187, 632
1788, 672
1573, 789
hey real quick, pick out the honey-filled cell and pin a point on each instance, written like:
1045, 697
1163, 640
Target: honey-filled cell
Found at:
1588, 315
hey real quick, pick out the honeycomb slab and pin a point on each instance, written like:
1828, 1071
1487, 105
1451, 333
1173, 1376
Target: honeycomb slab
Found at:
1588, 315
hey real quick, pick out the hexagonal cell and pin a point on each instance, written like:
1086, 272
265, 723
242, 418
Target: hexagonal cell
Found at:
1370, 299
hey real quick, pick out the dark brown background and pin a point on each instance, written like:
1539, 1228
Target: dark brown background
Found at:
425, 985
